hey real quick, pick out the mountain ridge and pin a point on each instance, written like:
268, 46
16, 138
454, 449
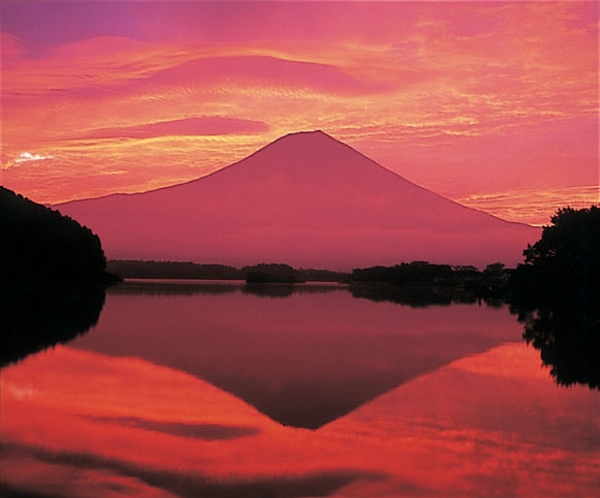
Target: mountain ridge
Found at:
303, 189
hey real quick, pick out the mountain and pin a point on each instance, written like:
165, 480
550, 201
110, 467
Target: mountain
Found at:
307, 200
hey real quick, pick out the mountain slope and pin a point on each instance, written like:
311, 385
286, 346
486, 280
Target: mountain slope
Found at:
306, 200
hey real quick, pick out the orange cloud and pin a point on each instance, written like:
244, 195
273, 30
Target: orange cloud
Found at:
533, 207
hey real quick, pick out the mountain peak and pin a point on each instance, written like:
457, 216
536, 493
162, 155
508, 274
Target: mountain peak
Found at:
308, 138
306, 159
307, 133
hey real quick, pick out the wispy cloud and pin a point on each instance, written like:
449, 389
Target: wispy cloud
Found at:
26, 157
206, 125
532, 206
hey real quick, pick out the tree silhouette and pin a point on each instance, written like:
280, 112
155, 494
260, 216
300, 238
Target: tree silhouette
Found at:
566, 259
557, 295
39, 245
494, 270
271, 273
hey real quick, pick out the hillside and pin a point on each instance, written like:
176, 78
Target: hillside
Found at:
41, 245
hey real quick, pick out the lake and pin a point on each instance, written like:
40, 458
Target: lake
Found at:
220, 389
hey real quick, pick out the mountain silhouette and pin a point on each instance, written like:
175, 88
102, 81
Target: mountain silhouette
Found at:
307, 200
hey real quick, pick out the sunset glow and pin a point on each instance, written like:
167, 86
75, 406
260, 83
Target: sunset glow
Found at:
494, 105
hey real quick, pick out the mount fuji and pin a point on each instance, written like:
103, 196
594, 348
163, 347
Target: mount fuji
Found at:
307, 200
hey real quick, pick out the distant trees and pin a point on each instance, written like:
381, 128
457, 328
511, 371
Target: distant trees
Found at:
271, 273
421, 283
429, 273
266, 272
494, 270
173, 270
417, 271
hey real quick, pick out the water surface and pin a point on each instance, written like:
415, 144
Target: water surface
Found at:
196, 389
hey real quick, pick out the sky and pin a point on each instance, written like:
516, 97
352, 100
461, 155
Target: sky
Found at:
494, 105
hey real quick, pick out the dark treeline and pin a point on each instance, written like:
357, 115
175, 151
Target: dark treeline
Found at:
281, 273
52, 277
419, 277
260, 273
495, 275
272, 273
184, 270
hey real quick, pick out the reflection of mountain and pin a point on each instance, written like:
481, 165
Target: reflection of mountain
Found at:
33, 319
304, 360
306, 200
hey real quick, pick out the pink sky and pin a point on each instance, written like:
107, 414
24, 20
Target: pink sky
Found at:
494, 105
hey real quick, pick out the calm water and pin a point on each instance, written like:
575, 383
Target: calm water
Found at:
218, 390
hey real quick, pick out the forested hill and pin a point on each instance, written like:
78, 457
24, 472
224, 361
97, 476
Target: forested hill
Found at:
40, 246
